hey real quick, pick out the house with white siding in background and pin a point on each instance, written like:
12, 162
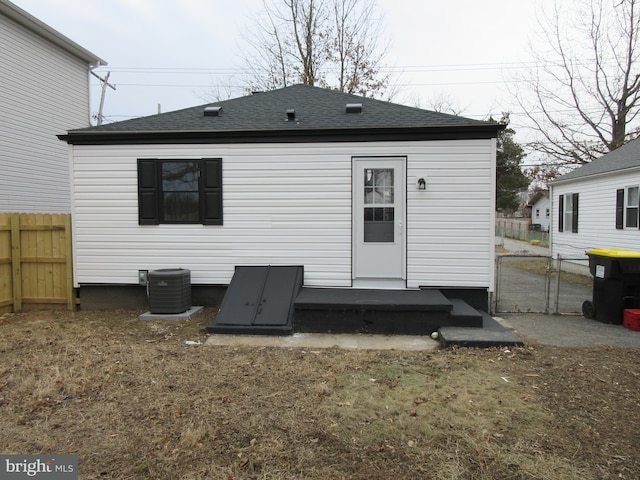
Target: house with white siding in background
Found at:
540, 210
44, 90
597, 205
360, 192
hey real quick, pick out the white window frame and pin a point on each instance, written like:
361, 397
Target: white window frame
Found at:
568, 212
631, 206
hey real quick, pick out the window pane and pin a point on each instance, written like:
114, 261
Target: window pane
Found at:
180, 176
631, 220
378, 186
568, 212
378, 232
632, 197
379, 223
632, 217
181, 207
384, 177
368, 214
368, 195
180, 191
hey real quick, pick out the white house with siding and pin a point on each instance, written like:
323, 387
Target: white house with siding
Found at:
362, 193
597, 205
44, 90
540, 206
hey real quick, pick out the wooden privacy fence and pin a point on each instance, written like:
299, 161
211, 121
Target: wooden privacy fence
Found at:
35, 261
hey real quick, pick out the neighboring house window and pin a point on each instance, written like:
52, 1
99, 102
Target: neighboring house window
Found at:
547, 212
631, 212
627, 207
568, 213
180, 191
537, 213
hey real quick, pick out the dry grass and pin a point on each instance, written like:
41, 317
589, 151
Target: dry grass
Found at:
133, 403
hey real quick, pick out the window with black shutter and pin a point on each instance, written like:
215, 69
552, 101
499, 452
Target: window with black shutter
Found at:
568, 213
180, 191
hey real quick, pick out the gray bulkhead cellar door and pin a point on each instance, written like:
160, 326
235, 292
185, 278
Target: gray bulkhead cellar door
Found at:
259, 300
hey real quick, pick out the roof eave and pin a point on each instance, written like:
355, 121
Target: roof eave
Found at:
618, 171
444, 132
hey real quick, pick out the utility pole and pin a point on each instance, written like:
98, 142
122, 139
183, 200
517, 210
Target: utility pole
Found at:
105, 84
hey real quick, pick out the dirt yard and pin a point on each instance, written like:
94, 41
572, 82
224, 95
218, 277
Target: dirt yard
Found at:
134, 400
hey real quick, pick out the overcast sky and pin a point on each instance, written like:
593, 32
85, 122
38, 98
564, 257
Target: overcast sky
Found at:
171, 52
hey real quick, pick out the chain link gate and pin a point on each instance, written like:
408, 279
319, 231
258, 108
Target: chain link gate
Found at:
541, 284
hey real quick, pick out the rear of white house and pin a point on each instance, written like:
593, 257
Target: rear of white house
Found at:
597, 205
384, 196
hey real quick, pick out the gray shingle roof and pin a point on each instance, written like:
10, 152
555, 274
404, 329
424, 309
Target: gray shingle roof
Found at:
627, 156
316, 109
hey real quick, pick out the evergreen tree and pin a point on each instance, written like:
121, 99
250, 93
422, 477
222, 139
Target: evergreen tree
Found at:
510, 180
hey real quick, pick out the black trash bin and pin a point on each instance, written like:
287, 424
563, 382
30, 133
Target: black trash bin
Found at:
616, 283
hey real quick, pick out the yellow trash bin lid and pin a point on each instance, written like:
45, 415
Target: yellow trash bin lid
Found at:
614, 252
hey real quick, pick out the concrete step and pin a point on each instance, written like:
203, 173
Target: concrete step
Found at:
463, 315
492, 334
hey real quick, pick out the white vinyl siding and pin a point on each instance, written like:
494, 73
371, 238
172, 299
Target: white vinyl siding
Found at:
450, 223
286, 204
44, 92
597, 215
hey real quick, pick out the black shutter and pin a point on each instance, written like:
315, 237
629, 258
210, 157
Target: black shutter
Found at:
212, 191
561, 213
148, 192
620, 209
574, 214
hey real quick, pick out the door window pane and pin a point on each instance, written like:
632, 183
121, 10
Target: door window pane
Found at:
378, 186
379, 224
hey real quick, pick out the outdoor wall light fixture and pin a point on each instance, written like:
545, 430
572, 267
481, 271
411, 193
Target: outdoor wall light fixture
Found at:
422, 184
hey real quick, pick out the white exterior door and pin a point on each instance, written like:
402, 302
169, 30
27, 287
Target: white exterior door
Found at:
379, 194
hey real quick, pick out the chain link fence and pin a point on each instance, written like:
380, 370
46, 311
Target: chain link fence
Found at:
541, 284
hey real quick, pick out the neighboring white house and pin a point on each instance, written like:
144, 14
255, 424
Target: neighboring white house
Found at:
597, 205
44, 91
540, 210
361, 192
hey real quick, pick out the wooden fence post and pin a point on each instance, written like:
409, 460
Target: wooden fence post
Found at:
16, 262
71, 301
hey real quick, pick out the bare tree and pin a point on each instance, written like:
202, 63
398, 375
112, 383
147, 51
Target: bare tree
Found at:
332, 43
586, 85
443, 102
355, 53
281, 46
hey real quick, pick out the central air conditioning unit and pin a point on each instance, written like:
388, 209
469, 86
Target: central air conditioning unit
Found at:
169, 290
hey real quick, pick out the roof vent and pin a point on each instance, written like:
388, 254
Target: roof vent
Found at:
212, 111
354, 108
291, 115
